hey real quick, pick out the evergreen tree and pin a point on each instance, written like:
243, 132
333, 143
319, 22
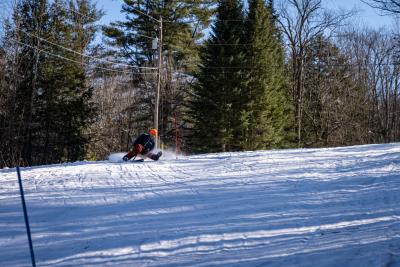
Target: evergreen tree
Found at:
267, 116
183, 25
216, 107
52, 97
65, 95
30, 21
7, 110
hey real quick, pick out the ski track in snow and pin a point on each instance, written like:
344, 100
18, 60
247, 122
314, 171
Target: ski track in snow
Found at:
299, 207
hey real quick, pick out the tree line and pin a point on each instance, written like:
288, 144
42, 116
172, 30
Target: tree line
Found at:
236, 75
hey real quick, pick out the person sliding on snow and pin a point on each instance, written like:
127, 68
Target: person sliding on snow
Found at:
143, 145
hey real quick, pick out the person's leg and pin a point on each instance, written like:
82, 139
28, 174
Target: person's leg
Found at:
154, 156
133, 152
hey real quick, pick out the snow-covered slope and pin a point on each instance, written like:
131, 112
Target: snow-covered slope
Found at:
315, 207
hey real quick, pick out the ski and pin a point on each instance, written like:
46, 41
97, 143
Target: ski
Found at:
133, 160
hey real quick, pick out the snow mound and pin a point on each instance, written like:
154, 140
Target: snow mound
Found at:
116, 157
168, 155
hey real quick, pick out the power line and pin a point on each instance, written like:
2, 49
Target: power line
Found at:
78, 53
78, 62
209, 20
236, 69
229, 69
221, 44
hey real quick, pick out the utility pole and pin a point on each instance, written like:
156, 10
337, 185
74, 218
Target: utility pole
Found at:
160, 44
160, 41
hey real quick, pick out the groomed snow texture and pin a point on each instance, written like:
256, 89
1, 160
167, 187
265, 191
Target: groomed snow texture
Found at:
309, 207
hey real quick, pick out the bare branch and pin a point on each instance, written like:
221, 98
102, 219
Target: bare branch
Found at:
387, 6
301, 22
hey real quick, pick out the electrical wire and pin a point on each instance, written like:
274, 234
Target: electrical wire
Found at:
78, 53
78, 62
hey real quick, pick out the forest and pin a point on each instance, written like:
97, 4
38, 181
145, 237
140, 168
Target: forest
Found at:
212, 75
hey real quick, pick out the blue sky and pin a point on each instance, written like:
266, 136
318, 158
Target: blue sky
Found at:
366, 15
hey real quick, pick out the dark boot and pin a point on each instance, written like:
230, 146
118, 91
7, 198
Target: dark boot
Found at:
155, 156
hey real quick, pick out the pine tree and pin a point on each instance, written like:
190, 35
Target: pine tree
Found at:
30, 21
216, 107
183, 25
52, 97
66, 96
183, 22
267, 116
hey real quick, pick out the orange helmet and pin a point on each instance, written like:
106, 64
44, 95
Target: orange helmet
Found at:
153, 132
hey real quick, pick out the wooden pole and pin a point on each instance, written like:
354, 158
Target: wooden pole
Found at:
156, 115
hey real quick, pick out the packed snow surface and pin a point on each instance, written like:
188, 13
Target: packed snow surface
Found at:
308, 207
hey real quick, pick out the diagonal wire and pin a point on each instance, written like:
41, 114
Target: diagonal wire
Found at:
78, 62
78, 53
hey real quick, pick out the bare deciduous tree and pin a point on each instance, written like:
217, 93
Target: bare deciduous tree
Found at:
372, 54
301, 21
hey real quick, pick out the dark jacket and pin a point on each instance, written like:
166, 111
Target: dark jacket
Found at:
146, 141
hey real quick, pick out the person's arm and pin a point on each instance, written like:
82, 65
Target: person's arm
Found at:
148, 143
151, 144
